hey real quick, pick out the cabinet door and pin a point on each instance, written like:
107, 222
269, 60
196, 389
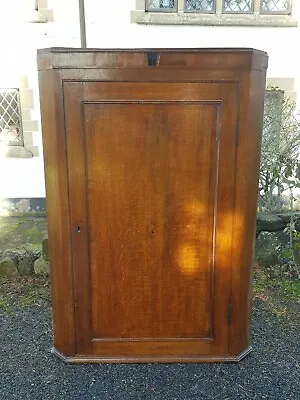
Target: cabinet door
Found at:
151, 171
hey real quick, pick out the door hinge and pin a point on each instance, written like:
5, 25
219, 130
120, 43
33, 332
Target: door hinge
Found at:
237, 133
229, 313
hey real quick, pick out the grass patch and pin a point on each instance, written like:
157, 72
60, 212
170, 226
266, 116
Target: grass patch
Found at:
28, 300
280, 285
4, 304
280, 295
24, 292
291, 288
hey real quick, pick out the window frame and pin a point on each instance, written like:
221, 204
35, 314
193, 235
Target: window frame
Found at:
163, 10
219, 8
217, 17
288, 12
252, 9
20, 142
200, 12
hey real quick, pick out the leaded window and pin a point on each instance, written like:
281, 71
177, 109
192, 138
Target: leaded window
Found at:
216, 6
10, 117
202, 6
237, 6
275, 6
160, 5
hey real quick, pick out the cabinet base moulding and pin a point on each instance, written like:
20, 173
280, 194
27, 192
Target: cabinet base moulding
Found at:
152, 166
132, 360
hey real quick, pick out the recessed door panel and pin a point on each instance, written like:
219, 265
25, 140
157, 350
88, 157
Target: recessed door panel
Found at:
155, 219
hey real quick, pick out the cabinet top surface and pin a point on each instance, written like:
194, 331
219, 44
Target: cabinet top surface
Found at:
202, 58
165, 50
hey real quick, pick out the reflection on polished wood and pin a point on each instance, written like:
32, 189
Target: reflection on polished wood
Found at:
151, 176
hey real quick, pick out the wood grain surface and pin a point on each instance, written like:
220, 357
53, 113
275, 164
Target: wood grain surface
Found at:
158, 180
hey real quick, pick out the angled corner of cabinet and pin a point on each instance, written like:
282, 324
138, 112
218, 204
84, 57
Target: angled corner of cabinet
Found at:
151, 166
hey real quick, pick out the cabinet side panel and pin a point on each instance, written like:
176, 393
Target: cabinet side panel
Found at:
248, 162
51, 99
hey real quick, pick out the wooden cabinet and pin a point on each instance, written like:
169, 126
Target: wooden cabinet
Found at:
152, 162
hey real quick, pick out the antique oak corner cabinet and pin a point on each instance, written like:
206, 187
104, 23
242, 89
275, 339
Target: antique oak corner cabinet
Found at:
151, 164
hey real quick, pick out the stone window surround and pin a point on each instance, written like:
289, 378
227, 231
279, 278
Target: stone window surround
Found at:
30, 126
140, 16
43, 12
38, 12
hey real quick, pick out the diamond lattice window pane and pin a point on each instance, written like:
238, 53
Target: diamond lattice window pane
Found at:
239, 6
10, 117
160, 4
275, 6
200, 5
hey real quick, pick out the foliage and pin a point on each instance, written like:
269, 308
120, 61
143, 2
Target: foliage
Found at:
280, 164
279, 177
290, 254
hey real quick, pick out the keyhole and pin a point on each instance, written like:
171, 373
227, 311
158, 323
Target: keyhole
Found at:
150, 230
78, 229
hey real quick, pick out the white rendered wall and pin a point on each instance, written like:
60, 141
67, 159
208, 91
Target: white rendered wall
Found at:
24, 177
109, 25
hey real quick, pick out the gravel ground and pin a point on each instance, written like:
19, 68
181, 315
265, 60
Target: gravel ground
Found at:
28, 370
